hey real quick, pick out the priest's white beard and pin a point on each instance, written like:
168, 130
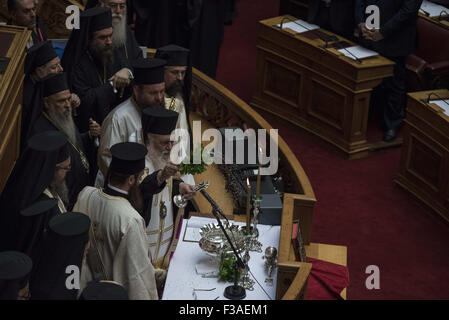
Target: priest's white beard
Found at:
61, 190
119, 30
158, 159
64, 120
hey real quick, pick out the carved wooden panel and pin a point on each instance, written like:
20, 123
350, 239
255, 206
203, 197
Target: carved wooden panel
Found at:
281, 82
326, 105
425, 162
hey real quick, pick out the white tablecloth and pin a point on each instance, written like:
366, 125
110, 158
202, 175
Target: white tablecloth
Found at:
182, 277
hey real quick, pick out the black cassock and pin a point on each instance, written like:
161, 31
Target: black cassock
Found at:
197, 25
78, 177
91, 84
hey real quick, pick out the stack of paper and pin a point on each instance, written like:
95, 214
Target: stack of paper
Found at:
433, 9
299, 26
443, 104
358, 52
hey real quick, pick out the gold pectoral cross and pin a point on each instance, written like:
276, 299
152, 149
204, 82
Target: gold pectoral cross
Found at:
162, 210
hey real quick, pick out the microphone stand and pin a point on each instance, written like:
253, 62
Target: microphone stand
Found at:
234, 292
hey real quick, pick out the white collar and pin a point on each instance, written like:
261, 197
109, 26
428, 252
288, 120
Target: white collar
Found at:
117, 189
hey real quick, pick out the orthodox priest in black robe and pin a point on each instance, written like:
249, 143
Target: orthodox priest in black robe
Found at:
14, 269
122, 37
37, 176
65, 245
57, 115
41, 60
98, 73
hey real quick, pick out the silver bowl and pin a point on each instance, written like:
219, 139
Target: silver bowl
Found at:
214, 242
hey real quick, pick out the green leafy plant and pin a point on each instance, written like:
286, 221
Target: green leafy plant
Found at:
226, 270
192, 168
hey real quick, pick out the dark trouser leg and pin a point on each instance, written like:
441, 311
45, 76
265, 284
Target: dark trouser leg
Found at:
322, 18
394, 91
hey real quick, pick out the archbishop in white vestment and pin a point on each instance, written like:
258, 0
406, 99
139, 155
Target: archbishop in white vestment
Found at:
125, 119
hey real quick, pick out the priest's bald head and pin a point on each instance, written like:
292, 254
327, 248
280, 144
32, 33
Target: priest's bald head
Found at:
175, 70
149, 86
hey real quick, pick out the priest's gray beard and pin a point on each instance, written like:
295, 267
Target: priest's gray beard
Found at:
61, 190
158, 159
119, 30
64, 120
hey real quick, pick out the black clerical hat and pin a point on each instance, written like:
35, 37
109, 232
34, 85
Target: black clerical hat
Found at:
47, 141
39, 207
159, 121
38, 55
128, 158
148, 71
14, 265
100, 290
55, 83
70, 224
174, 55
97, 18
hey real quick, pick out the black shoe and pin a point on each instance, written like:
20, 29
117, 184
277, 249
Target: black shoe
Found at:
389, 135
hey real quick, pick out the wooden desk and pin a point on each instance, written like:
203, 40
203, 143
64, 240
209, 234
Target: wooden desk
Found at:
317, 89
434, 19
12, 45
424, 166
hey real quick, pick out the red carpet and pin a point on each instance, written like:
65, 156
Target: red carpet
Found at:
358, 205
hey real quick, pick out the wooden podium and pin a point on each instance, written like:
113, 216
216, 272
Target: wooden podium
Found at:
316, 88
12, 52
424, 166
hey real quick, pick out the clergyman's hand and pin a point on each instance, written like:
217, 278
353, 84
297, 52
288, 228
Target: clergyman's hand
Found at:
187, 190
94, 128
169, 170
121, 79
75, 100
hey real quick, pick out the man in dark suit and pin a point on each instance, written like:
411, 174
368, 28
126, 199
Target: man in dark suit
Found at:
333, 15
395, 39
23, 13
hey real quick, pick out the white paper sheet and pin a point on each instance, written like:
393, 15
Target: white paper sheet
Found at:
359, 52
433, 9
443, 104
192, 230
299, 26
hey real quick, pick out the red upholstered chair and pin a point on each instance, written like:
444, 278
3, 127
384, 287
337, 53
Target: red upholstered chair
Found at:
428, 66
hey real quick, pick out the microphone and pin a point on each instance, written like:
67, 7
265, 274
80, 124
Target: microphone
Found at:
213, 204
445, 18
425, 12
434, 94
340, 46
326, 40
